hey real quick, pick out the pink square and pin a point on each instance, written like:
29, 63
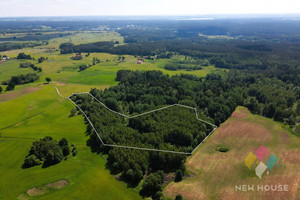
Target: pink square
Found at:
260, 152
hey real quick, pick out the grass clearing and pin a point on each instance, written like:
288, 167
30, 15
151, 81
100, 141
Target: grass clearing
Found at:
215, 174
87, 37
12, 68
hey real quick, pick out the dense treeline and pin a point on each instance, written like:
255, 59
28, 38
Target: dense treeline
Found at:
35, 37
32, 66
232, 54
137, 34
19, 80
6, 46
185, 65
217, 96
91, 47
267, 29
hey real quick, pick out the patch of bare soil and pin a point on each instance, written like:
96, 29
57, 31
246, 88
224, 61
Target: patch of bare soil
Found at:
240, 114
17, 93
244, 129
168, 179
58, 83
35, 191
2, 61
44, 189
292, 157
284, 137
58, 185
230, 194
117, 177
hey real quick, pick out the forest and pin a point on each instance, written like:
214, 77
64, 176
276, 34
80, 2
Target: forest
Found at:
91, 47
215, 96
263, 57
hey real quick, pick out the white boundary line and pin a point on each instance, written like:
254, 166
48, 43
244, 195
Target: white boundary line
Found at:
138, 115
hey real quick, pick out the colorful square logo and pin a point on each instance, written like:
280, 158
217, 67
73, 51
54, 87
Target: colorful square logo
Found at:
261, 161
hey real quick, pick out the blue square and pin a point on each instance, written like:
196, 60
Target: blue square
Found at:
272, 161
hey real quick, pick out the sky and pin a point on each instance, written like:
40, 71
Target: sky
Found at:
13, 8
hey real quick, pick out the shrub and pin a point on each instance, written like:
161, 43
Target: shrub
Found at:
82, 67
223, 148
178, 176
25, 65
178, 197
73, 112
77, 57
41, 59
74, 151
48, 79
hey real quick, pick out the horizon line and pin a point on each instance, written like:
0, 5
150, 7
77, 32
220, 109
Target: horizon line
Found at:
169, 15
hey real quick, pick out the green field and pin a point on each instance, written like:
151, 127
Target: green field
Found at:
44, 113
87, 37
12, 68
61, 69
27, 116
